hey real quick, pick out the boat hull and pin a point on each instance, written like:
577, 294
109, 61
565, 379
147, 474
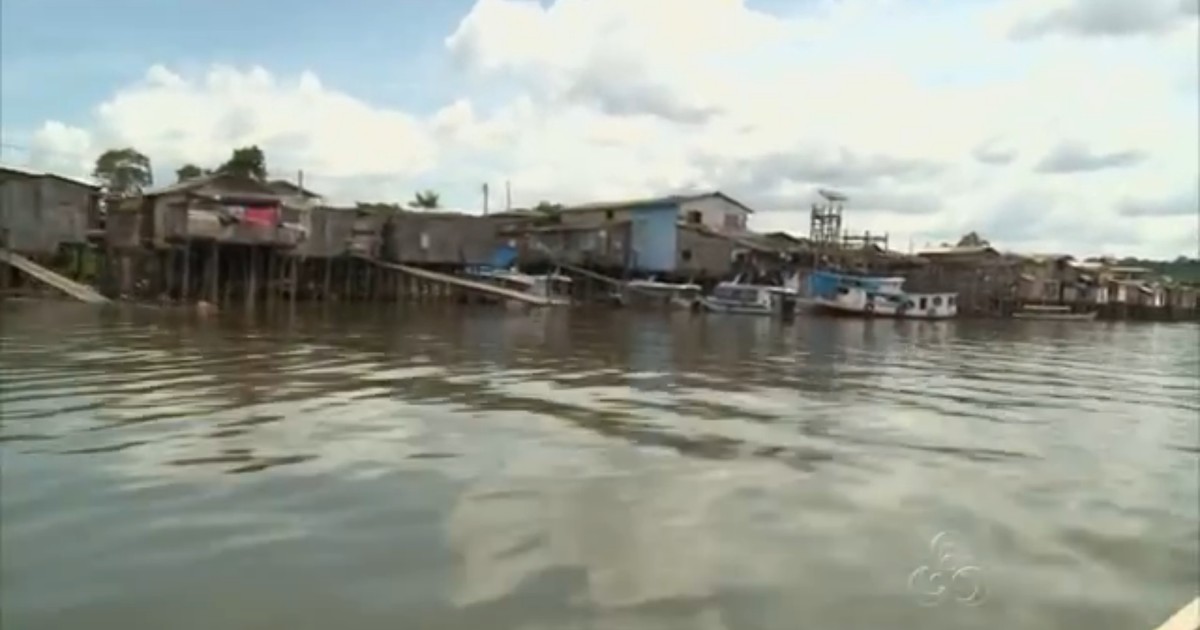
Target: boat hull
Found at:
1066, 317
715, 306
821, 307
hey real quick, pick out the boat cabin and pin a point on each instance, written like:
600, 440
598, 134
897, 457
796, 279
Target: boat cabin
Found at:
916, 305
556, 288
658, 294
879, 297
755, 299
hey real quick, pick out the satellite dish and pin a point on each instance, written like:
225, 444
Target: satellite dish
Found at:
831, 195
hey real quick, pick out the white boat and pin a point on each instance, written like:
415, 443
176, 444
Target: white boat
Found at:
661, 294
1053, 312
554, 288
751, 299
876, 296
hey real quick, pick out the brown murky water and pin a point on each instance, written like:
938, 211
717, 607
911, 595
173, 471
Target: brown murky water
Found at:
441, 468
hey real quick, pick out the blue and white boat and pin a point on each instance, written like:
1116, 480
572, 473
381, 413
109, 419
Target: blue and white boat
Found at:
736, 298
875, 296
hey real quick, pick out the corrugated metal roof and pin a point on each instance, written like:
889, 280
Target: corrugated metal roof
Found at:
285, 187
248, 187
1043, 258
22, 170
958, 251
654, 201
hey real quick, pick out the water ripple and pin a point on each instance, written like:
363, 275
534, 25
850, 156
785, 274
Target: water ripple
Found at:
467, 468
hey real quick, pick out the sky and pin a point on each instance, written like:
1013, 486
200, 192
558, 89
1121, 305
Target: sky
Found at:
1050, 126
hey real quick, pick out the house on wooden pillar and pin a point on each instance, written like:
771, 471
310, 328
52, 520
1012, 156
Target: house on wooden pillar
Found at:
41, 212
207, 230
294, 195
670, 235
227, 209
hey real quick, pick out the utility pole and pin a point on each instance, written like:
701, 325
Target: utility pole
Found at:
300, 178
507, 195
485, 199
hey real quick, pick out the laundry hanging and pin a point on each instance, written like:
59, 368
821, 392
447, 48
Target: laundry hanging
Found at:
262, 215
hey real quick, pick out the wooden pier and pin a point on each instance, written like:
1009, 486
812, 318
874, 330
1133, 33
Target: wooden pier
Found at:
458, 282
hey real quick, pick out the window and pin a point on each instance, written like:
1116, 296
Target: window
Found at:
694, 216
950, 301
937, 300
924, 303
733, 221
608, 215
686, 255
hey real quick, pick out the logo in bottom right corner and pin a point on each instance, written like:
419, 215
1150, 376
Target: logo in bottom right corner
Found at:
950, 577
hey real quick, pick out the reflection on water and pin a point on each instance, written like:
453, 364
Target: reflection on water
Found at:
448, 468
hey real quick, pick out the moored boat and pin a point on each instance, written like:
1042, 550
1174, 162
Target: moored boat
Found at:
554, 289
875, 296
1056, 312
751, 299
651, 293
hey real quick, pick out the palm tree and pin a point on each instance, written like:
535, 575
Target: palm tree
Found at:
426, 199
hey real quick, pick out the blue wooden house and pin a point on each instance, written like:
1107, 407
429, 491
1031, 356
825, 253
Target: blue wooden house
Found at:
670, 234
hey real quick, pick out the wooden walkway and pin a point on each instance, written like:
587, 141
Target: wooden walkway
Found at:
462, 283
620, 284
74, 289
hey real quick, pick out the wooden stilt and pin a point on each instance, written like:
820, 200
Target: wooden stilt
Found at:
214, 282
187, 270
167, 272
229, 276
252, 276
297, 268
272, 284
369, 269
328, 278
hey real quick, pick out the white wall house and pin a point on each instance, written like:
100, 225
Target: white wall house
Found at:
715, 210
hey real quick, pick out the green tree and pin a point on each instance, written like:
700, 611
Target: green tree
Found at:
246, 162
427, 199
189, 171
376, 207
545, 207
972, 239
123, 172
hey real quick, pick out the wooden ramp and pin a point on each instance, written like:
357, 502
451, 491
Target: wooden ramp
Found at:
462, 283
576, 269
591, 274
74, 289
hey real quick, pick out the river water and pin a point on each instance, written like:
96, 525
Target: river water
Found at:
432, 467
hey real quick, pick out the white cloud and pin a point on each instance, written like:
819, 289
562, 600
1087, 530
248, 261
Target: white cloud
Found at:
934, 116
